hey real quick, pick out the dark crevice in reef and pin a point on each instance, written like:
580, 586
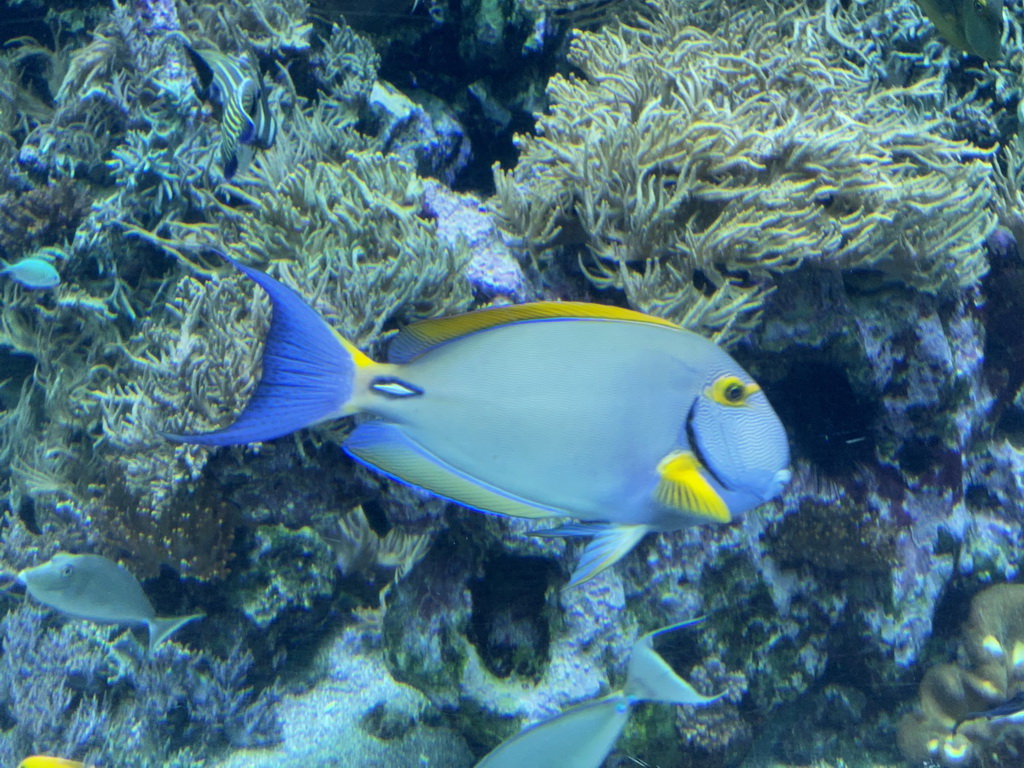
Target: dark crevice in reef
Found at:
829, 425
15, 370
475, 79
509, 624
1003, 288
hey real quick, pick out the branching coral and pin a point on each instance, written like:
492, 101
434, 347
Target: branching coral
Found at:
346, 65
587, 14
93, 694
695, 167
350, 236
90, 106
269, 26
951, 727
133, 344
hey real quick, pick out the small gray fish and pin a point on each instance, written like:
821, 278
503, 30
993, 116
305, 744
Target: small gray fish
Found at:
582, 737
34, 273
95, 588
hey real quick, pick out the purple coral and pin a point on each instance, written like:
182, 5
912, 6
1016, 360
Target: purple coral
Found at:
493, 272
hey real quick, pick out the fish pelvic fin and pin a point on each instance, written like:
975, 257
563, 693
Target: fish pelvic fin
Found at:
386, 448
650, 678
610, 544
310, 373
683, 488
161, 629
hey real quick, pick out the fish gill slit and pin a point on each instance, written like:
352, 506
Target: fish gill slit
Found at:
691, 438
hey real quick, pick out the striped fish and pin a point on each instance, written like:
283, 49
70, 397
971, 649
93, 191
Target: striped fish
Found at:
245, 117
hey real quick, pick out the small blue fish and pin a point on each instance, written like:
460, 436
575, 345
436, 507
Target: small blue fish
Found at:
621, 420
583, 736
35, 273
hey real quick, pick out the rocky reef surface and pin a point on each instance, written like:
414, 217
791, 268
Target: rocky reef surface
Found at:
832, 192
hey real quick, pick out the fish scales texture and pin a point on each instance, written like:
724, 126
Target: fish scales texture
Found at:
585, 436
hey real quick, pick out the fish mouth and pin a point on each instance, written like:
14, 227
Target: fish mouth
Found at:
767, 492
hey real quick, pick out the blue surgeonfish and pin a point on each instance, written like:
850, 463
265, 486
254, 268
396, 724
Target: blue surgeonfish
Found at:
95, 588
34, 273
546, 410
246, 120
582, 737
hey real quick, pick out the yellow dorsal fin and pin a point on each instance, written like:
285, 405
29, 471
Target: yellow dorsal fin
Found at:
684, 488
415, 339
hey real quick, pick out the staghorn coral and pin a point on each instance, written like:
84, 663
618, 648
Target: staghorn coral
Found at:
91, 103
588, 14
947, 728
127, 484
695, 167
179, 376
132, 343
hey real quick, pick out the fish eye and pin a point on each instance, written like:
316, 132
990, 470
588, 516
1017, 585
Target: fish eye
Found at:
731, 390
67, 570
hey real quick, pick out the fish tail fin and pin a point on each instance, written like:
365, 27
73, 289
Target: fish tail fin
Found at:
610, 544
161, 629
650, 678
309, 372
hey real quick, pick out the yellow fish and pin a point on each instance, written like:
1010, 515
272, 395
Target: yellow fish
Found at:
547, 410
975, 26
44, 761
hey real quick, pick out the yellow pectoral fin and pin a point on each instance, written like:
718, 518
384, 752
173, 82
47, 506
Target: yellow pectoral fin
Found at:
684, 488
